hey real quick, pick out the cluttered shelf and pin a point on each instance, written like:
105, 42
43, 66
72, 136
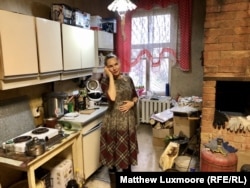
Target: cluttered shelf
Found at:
30, 164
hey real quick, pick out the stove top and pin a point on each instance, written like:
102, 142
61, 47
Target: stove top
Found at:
40, 132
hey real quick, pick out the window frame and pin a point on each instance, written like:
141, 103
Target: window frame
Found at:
173, 36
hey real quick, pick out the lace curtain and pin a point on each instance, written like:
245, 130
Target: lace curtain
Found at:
154, 35
153, 47
124, 35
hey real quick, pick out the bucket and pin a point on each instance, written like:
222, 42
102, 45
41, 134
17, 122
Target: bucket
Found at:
185, 163
217, 162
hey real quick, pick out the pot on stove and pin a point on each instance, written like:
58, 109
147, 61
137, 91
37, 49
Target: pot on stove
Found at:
35, 147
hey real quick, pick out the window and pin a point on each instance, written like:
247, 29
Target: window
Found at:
153, 47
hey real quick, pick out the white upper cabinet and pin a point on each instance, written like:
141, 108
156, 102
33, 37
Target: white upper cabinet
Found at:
105, 40
49, 45
88, 48
18, 45
78, 48
36, 50
72, 50
104, 44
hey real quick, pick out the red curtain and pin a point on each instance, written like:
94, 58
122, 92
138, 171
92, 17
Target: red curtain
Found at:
123, 37
123, 42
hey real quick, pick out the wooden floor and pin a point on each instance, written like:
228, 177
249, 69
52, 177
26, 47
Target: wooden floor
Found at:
148, 157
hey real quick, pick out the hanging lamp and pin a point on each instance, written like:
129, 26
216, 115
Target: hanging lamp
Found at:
121, 7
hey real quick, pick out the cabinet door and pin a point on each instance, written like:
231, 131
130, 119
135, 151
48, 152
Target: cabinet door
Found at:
49, 45
88, 48
105, 40
18, 44
72, 47
91, 152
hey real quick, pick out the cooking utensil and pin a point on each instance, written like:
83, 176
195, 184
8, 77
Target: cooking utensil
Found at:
54, 104
50, 122
35, 147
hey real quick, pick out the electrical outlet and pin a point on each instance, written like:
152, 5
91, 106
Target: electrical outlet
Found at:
36, 112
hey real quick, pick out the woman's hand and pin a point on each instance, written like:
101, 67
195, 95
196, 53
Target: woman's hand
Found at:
126, 106
107, 72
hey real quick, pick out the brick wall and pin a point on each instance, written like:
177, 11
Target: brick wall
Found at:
226, 57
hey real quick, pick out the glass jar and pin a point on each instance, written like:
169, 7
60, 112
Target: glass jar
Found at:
9, 147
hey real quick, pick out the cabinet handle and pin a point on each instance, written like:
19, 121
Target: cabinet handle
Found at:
49, 73
10, 78
78, 70
98, 126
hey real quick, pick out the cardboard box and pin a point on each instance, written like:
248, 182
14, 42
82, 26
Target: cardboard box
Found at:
159, 142
86, 20
109, 25
77, 18
81, 19
96, 22
159, 136
185, 126
162, 133
62, 13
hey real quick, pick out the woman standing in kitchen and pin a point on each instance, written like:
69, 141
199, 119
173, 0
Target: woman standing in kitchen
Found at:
119, 146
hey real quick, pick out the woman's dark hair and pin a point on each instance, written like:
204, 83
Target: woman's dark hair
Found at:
109, 56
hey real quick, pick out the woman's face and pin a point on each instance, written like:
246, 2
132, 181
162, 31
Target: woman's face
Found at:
114, 66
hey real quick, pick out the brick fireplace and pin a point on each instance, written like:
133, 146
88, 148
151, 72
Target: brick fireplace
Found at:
226, 58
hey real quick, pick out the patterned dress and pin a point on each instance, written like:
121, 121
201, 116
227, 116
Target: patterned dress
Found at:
118, 145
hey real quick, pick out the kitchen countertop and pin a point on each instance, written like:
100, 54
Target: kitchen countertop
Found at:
84, 119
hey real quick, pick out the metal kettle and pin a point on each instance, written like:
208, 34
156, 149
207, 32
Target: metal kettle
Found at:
35, 147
